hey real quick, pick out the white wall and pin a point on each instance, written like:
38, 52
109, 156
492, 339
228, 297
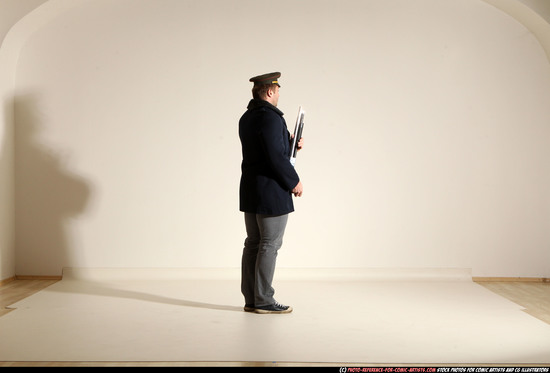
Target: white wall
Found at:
11, 11
427, 137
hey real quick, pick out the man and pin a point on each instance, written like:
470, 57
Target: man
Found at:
268, 181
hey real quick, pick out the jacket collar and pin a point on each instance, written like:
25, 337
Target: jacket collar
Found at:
254, 104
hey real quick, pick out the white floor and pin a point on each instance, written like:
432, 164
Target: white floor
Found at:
178, 315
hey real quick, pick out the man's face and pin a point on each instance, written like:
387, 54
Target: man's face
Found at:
276, 96
274, 99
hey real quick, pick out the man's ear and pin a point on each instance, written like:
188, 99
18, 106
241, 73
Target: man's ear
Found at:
270, 92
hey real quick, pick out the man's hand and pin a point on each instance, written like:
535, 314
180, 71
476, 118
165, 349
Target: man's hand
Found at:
300, 144
298, 190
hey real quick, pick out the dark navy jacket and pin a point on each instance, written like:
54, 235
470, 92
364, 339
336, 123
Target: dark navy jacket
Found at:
267, 176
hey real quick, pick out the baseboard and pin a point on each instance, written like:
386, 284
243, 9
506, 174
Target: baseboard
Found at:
7, 280
23, 277
475, 279
26, 277
510, 279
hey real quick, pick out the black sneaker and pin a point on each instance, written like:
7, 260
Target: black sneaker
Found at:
274, 308
249, 308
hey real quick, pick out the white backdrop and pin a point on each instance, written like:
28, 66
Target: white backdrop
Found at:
427, 134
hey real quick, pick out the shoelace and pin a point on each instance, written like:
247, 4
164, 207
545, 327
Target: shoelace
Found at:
279, 305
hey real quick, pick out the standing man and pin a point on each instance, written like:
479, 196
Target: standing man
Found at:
268, 181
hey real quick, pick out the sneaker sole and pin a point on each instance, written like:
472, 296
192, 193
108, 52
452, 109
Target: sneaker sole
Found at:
257, 310
249, 309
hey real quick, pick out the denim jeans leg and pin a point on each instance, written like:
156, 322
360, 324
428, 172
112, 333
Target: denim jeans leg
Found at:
264, 239
250, 253
272, 229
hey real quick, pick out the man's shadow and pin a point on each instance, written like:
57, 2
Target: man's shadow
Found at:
48, 196
103, 289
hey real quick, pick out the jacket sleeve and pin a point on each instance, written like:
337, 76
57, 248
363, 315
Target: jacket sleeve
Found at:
275, 142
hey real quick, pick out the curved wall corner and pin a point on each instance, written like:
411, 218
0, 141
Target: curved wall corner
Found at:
542, 7
530, 17
13, 12
18, 23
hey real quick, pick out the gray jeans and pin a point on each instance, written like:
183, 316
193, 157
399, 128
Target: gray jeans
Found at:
264, 238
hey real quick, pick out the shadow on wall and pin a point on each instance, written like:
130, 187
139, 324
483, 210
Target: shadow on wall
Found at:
47, 196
